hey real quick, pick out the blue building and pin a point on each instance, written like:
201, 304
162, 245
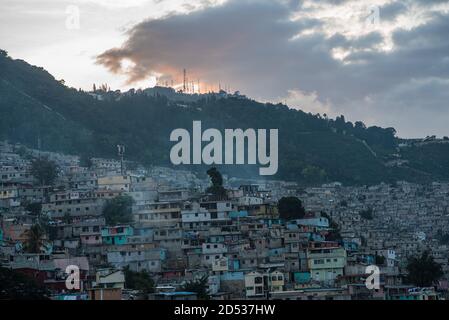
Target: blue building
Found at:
116, 235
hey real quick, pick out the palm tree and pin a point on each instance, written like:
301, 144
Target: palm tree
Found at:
35, 239
199, 286
423, 270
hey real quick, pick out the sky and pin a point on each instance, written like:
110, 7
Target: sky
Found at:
382, 62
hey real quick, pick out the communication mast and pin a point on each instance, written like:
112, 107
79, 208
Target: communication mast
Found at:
121, 154
185, 80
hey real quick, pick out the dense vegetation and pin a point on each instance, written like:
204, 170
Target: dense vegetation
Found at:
34, 239
18, 286
312, 148
367, 214
291, 208
198, 286
423, 271
216, 189
141, 280
44, 170
118, 210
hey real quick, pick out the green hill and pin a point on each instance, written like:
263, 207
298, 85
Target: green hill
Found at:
312, 149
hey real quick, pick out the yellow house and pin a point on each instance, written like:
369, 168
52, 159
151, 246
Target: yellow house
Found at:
115, 183
276, 281
264, 210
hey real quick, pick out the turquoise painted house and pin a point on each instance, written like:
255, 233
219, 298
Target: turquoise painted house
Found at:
350, 246
235, 265
271, 222
116, 235
238, 214
302, 277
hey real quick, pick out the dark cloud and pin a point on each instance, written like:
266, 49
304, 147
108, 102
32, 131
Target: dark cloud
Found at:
392, 10
255, 47
203, 41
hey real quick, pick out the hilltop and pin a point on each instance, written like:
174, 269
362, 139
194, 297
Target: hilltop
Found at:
35, 108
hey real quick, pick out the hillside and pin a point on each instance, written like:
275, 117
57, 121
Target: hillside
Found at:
312, 149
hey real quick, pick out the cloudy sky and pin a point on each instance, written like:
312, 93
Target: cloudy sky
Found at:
383, 62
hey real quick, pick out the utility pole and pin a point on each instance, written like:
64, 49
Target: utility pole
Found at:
121, 154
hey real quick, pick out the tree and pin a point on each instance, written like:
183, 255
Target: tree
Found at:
423, 271
85, 161
217, 188
34, 239
67, 218
379, 260
118, 210
18, 286
443, 238
291, 208
199, 286
141, 281
334, 232
35, 208
44, 221
44, 170
367, 214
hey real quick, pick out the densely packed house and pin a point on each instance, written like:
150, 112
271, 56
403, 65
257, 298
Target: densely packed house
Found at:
179, 233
